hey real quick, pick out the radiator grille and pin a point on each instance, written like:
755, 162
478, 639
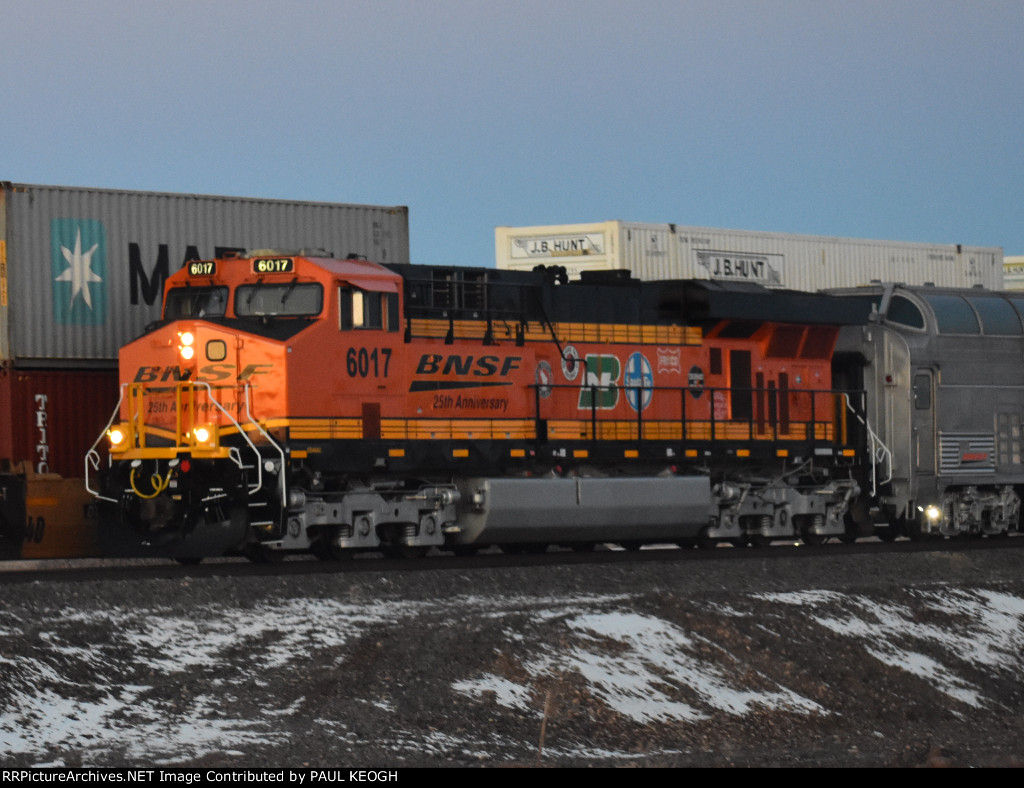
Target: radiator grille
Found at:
961, 454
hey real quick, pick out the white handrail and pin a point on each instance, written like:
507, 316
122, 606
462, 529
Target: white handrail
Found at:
92, 457
879, 451
272, 442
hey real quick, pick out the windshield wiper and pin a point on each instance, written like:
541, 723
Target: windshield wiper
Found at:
288, 290
252, 293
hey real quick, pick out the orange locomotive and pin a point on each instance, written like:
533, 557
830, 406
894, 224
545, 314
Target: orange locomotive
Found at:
289, 402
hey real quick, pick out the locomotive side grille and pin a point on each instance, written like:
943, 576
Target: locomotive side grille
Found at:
1008, 430
425, 328
961, 453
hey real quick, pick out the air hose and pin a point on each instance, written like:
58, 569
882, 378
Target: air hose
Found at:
159, 485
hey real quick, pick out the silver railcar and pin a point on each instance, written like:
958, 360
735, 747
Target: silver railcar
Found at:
943, 372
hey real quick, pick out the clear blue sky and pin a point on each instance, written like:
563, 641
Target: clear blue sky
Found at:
888, 119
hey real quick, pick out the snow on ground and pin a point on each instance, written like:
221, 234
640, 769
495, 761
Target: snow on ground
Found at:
651, 654
120, 681
895, 635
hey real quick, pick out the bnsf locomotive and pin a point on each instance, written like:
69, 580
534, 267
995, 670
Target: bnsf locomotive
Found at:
293, 402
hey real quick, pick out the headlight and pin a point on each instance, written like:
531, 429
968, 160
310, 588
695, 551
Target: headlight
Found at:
933, 513
205, 436
118, 437
185, 348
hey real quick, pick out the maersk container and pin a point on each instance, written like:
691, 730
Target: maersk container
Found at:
82, 270
798, 262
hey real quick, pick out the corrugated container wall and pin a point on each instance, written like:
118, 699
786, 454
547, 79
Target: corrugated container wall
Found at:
1013, 272
50, 418
82, 270
798, 262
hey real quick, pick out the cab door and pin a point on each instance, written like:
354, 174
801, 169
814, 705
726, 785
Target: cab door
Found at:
923, 421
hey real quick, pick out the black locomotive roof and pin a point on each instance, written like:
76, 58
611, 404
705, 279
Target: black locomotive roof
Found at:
610, 297
712, 300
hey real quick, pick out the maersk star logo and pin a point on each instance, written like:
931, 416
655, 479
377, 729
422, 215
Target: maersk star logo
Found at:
79, 264
79, 271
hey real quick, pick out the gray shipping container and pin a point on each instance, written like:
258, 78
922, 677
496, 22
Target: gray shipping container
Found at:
82, 270
797, 262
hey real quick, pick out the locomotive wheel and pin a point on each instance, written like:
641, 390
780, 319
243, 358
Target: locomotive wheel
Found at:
760, 540
465, 549
328, 551
704, 540
631, 545
887, 534
809, 537
912, 528
533, 548
404, 551
583, 547
259, 554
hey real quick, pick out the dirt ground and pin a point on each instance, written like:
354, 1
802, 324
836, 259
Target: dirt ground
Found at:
900, 660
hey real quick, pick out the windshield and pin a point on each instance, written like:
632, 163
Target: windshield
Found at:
184, 302
290, 299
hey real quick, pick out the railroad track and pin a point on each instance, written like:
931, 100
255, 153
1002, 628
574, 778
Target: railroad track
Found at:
91, 570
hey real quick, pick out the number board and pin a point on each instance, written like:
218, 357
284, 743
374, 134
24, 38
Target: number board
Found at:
273, 265
202, 268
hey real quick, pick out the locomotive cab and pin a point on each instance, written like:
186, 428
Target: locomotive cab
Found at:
197, 450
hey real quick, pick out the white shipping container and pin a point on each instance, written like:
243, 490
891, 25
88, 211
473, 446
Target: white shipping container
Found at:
1013, 272
797, 262
82, 270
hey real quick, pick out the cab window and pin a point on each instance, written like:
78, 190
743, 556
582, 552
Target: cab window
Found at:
366, 309
922, 391
285, 299
953, 314
997, 316
186, 302
905, 312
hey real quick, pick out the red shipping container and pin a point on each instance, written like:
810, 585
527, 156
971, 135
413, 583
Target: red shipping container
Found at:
50, 418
